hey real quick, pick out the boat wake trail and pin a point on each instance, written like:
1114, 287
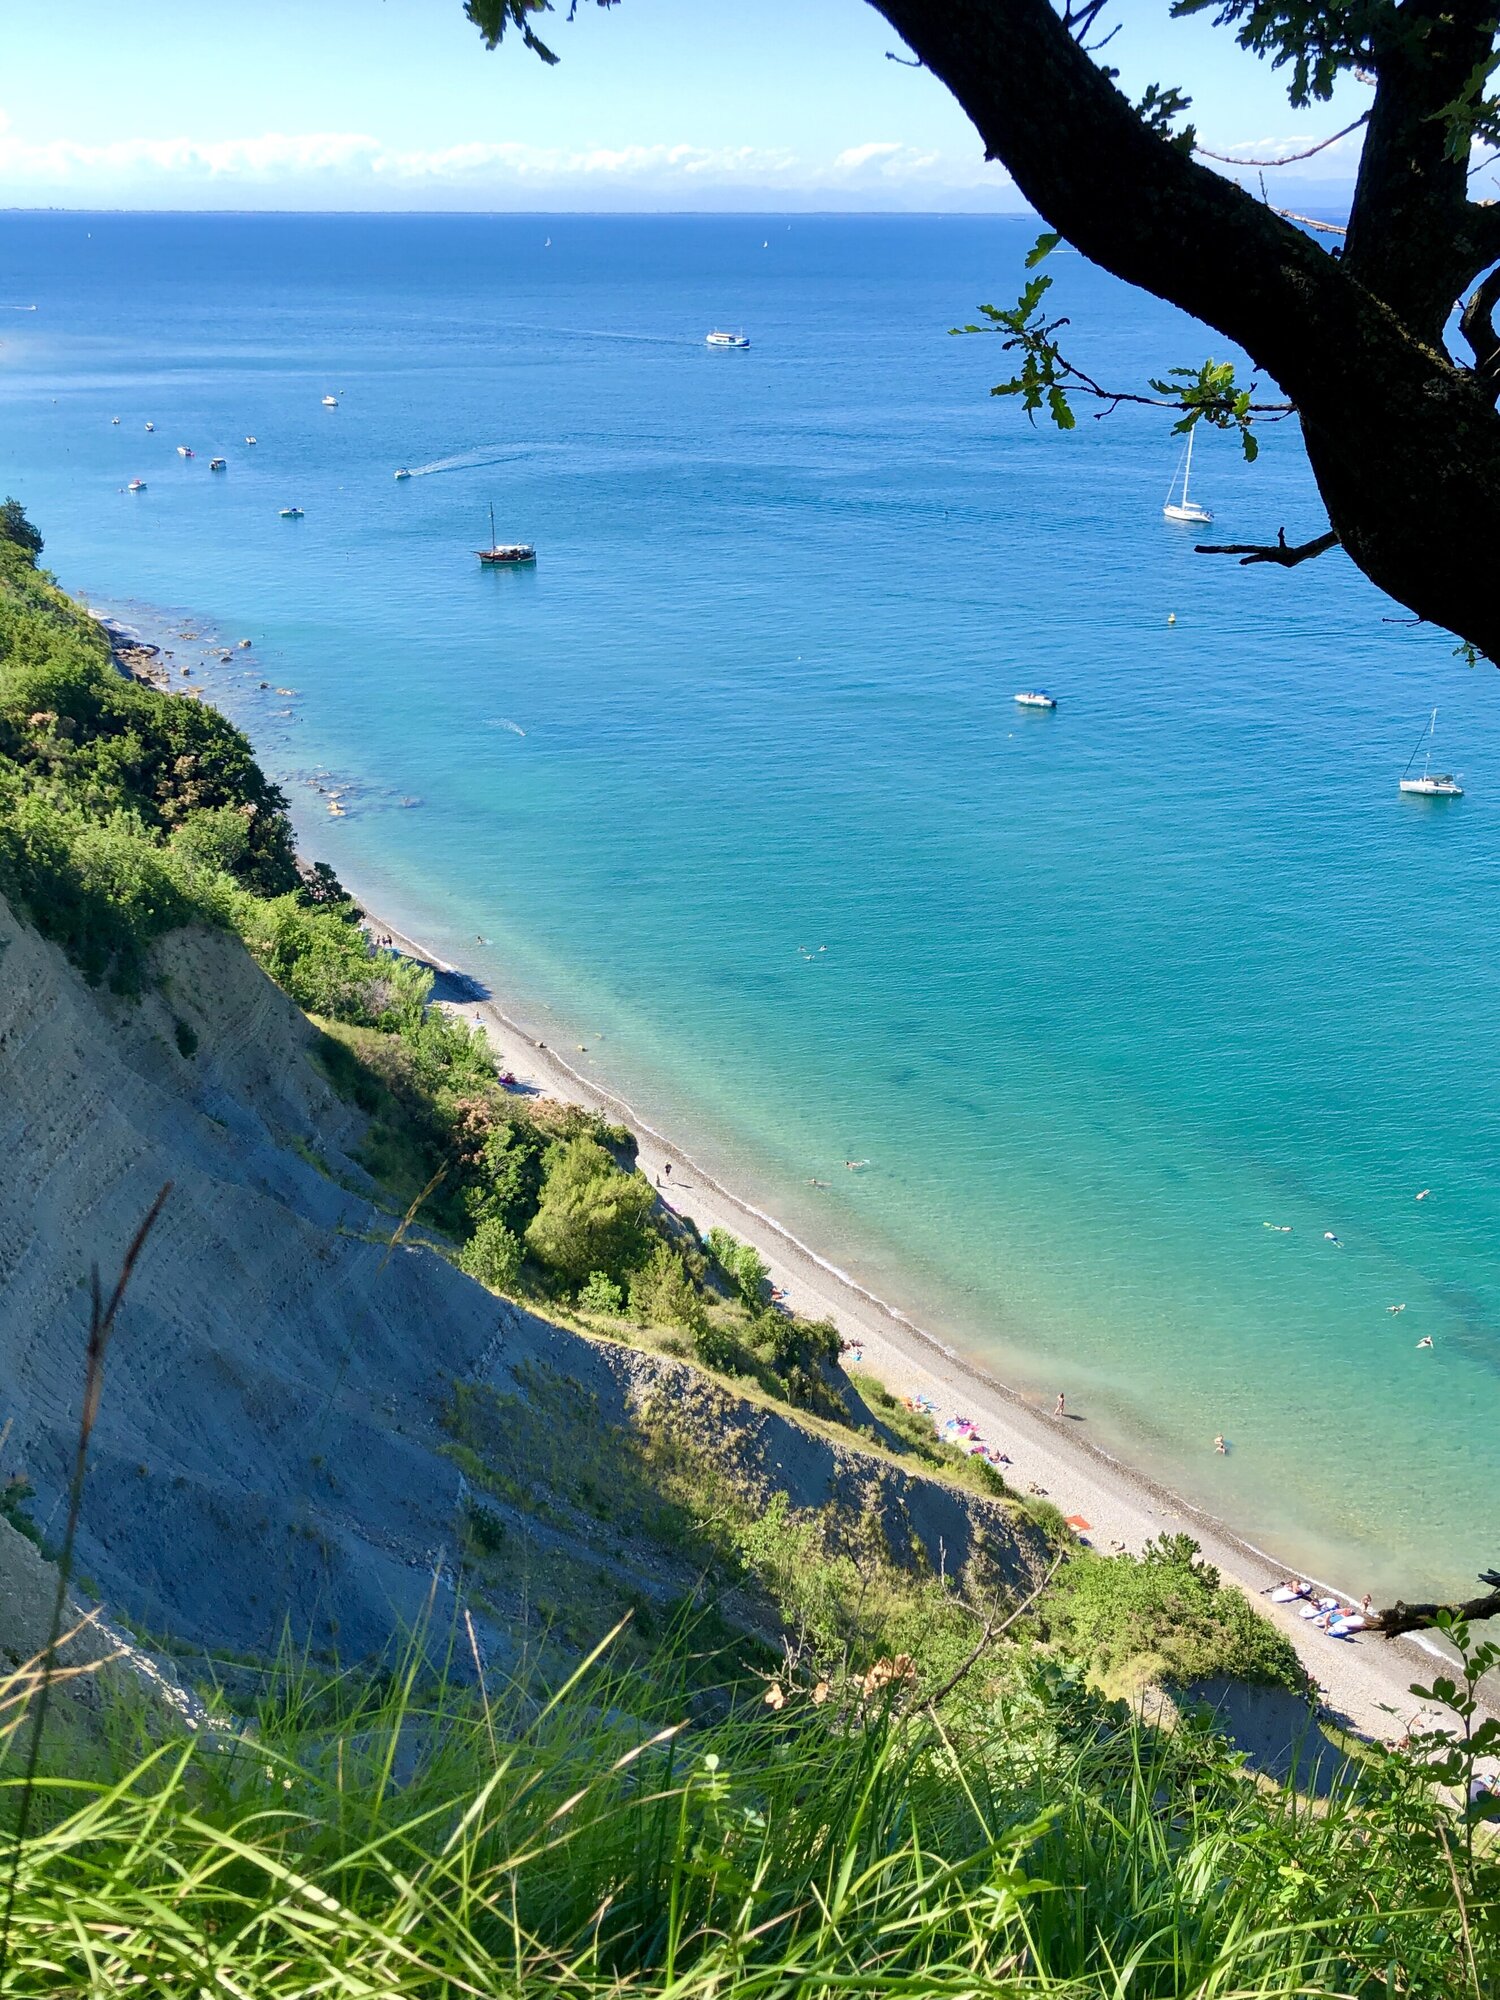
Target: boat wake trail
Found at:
500, 722
481, 454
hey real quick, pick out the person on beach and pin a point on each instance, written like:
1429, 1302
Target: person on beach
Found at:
1060, 1407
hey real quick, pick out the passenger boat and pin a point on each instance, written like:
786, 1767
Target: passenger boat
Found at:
1432, 784
217, 464
1036, 698
720, 339
505, 554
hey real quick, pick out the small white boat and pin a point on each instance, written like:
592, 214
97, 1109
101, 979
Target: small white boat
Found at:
330, 402
1432, 784
1036, 698
184, 451
136, 486
251, 440
151, 427
114, 420
1185, 509
720, 339
217, 464
291, 513
403, 472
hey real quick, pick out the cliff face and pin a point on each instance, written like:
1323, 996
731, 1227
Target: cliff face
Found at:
273, 1439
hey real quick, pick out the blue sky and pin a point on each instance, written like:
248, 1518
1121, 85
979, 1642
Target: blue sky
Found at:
696, 104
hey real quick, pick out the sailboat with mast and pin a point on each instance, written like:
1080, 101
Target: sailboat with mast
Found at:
1432, 784
1186, 509
503, 554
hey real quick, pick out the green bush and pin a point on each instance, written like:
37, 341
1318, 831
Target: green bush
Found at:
591, 1216
18, 531
1165, 1616
602, 1295
744, 1266
662, 1293
493, 1256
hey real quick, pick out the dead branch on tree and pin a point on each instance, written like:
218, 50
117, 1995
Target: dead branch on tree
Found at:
1286, 555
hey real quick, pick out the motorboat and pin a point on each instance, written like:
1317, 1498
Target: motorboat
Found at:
718, 338
185, 451
251, 440
506, 555
1431, 784
136, 486
330, 402
151, 427
1192, 511
114, 420
217, 464
291, 513
1036, 698
403, 472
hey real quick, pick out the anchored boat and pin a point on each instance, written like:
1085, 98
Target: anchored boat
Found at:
1186, 509
1432, 784
507, 555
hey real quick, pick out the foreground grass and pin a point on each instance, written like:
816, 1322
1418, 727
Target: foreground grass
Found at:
635, 1835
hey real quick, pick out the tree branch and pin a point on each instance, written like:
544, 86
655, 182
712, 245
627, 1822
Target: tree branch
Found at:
1477, 325
1280, 552
1423, 1617
1286, 158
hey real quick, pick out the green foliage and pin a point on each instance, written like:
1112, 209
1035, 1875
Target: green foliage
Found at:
15, 1496
602, 1295
591, 1216
743, 1265
493, 1255
1165, 1616
662, 1293
18, 531
1210, 394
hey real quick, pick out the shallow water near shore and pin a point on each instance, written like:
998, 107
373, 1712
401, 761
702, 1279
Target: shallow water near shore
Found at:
735, 790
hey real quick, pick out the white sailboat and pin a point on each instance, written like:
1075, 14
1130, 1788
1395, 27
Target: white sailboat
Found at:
1185, 509
1432, 784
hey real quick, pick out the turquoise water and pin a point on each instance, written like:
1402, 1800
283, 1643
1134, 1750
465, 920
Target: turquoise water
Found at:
1104, 991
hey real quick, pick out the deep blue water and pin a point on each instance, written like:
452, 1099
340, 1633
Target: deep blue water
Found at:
1105, 990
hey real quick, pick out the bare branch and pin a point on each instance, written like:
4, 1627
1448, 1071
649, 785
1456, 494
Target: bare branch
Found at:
1423, 1617
1286, 555
1286, 158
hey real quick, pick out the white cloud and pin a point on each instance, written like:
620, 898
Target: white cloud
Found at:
350, 160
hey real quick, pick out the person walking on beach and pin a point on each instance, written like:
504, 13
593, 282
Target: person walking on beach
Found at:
1060, 1407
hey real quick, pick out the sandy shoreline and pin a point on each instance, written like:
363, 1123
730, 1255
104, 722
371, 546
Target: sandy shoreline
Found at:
1366, 1681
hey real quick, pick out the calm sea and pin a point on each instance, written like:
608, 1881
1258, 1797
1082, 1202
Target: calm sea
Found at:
1105, 991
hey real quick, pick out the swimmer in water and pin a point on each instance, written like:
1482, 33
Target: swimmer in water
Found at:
1425, 1341
1397, 1309
1329, 1237
1424, 1194
855, 1165
1219, 1444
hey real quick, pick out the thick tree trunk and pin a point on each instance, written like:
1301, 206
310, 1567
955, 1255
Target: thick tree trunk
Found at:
1405, 446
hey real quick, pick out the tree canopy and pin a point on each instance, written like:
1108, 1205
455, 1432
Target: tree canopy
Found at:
1379, 335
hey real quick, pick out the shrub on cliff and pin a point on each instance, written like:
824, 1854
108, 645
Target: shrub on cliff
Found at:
18, 531
591, 1217
493, 1256
662, 1294
1165, 1616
